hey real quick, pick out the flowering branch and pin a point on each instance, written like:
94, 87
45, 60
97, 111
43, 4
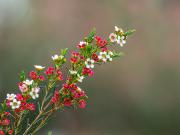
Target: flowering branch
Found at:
44, 84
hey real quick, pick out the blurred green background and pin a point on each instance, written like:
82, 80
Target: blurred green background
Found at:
136, 95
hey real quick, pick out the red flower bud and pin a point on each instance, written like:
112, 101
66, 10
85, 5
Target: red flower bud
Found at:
2, 132
6, 122
67, 102
82, 103
56, 97
10, 132
87, 71
73, 60
75, 54
33, 75
41, 78
95, 57
49, 71
65, 86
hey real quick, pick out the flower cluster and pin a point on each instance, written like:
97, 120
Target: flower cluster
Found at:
120, 36
40, 93
5, 122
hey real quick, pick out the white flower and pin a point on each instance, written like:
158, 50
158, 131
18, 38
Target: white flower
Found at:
55, 57
110, 53
103, 56
109, 56
38, 67
10, 97
82, 43
23, 87
116, 29
80, 78
28, 82
35, 92
73, 72
121, 40
89, 63
113, 37
15, 104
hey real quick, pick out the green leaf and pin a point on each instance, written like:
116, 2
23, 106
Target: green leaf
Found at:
88, 48
90, 37
129, 32
4, 106
50, 133
94, 49
22, 76
39, 106
64, 51
119, 54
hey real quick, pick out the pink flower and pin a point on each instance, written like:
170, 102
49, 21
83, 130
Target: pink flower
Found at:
67, 102
23, 87
113, 37
82, 103
10, 132
78, 93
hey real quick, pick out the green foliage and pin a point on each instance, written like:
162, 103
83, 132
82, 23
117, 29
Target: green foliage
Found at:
51, 97
90, 37
118, 54
50, 133
129, 32
3, 107
64, 51
22, 76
